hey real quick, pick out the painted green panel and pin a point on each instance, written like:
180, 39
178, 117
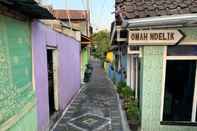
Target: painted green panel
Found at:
151, 85
85, 58
27, 123
190, 34
16, 89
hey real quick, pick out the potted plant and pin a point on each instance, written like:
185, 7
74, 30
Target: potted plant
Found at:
133, 115
120, 88
130, 105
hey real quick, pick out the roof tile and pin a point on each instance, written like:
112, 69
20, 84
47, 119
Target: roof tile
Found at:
148, 8
72, 14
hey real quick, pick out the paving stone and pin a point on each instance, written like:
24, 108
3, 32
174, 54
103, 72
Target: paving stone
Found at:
89, 122
99, 99
60, 128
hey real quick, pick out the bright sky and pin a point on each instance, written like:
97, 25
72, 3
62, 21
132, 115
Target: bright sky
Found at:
101, 10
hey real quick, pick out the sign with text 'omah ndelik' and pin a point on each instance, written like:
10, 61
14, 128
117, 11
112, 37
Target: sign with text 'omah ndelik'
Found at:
155, 37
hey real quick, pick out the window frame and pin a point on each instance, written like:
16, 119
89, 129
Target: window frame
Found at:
194, 107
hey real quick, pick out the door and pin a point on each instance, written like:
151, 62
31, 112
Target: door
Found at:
52, 80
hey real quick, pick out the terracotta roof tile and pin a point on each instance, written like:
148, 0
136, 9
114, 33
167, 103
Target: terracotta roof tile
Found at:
73, 14
148, 8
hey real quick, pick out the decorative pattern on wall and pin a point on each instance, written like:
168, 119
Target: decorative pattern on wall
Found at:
16, 89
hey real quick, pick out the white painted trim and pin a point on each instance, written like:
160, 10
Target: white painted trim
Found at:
132, 72
51, 47
136, 77
140, 55
97, 129
194, 99
165, 58
181, 57
134, 52
188, 43
163, 82
55, 77
129, 70
119, 39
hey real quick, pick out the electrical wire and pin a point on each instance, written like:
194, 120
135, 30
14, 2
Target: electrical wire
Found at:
68, 13
83, 3
102, 11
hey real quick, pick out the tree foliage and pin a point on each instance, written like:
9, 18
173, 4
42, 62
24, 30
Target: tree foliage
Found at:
101, 41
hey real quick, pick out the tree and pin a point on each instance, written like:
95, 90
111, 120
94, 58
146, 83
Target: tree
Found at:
101, 42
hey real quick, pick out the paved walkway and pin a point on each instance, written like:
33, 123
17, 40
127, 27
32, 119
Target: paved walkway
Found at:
96, 108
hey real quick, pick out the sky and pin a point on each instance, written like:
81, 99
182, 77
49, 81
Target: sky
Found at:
101, 10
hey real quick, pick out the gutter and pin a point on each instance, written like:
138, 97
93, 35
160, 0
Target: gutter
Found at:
172, 20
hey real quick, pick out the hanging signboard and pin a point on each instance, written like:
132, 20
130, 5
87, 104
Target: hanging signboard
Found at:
155, 37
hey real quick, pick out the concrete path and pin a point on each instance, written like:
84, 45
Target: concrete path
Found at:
95, 108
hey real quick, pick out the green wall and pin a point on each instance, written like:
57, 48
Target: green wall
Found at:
27, 123
85, 58
17, 97
151, 85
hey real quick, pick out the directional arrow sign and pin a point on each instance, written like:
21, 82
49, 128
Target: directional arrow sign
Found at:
155, 37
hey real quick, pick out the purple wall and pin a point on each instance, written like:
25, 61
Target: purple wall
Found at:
69, 69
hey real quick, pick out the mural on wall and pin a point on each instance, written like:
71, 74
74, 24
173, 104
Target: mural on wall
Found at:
16, 91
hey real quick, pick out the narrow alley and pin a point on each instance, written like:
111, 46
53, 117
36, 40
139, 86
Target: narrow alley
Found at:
95, 108
98, 65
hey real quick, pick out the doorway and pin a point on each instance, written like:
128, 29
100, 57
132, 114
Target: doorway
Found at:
52, 63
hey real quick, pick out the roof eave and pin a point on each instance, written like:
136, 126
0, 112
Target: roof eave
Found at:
30, 8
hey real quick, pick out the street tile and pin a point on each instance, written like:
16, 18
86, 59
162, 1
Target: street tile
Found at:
95, 108
90, 122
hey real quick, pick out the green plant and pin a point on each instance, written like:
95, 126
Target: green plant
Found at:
133, 112
101, 43
130, 104
120, 87
122, 84
127, 92
113, 79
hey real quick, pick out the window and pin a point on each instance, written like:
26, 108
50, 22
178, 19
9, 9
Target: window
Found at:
182, 51
179, 90
180, 85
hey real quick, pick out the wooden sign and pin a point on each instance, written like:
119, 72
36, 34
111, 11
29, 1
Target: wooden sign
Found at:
155, 37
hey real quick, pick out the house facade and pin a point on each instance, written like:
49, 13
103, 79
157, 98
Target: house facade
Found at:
18, 110
38, 77
57, 76
80, 20
161, 60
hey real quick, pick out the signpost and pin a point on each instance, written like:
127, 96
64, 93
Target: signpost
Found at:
155, 37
